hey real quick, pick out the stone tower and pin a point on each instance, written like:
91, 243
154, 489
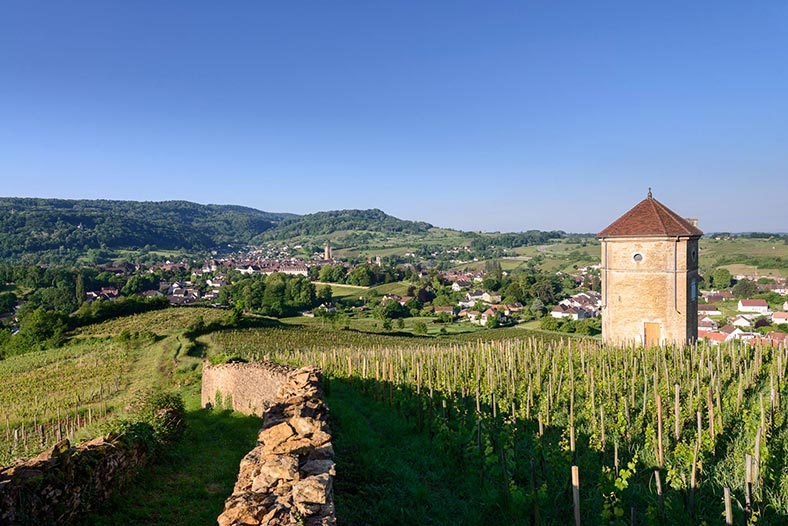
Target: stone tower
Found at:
650, 276
327, 252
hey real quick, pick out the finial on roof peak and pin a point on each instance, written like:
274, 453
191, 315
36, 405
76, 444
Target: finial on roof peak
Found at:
649, 193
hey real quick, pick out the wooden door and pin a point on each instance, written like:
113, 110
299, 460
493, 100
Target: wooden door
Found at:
652, 334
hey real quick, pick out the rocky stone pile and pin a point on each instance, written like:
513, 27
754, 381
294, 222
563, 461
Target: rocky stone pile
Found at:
287, 478
59, 485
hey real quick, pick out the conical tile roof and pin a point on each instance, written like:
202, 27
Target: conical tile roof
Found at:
650, 218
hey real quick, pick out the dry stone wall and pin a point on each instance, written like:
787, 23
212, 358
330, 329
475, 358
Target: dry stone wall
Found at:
287, 479
245, 387
62, 483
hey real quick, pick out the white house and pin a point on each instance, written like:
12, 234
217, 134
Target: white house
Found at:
707, 323
491, 297
708, 310
563, 310
757, 306
785, 305
780, 317
741, 321
460, 284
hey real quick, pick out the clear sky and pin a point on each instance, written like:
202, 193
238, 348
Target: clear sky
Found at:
475, 115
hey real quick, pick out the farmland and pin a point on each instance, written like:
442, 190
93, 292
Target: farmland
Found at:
69, 391
520, 413
466, 428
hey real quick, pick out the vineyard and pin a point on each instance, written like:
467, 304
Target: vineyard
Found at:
572, 431
57, 393
156, 322
50, 395
548, 430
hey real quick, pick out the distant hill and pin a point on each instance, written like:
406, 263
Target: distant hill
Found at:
36, 230
36, 226
325, 223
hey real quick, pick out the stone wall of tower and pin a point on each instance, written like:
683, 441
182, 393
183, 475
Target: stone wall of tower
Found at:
656, 289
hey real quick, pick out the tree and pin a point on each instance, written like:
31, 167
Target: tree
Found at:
548, 323
721, 278
325, 295
362, 276
391, 310
420, 328
42, 326
79, 292
745, 288
537, 307
7, 302
545, 289
491, 282
514, 291
492, 321
138, 283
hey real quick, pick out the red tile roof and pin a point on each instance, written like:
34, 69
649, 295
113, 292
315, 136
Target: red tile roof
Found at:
650, 218
728, 329
754, 303
778, 337
710, 335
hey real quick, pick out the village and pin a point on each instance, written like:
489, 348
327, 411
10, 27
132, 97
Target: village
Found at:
722, 316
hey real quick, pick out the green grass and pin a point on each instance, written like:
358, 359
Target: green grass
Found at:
752, 270
344, 291
561, 255
750, 256
399, 288
189, 486
388, 473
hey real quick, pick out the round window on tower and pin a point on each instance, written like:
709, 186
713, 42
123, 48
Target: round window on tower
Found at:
637, 257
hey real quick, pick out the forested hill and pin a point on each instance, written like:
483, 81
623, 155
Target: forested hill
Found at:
322, 223
40, 226
36, 230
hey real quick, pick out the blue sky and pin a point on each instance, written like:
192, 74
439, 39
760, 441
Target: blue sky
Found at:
475, 115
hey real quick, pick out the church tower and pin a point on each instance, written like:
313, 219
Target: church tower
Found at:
327, 252
650, 276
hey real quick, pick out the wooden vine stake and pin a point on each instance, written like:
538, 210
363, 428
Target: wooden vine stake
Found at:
756, 468
747, 487
572, 439
676, 412
576, 493
693, 479
728, 507
710, 406
660, 448
660, 497
534, 493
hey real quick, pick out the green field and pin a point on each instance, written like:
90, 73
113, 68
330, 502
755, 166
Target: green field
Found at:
745, 256
565, 255
399, 288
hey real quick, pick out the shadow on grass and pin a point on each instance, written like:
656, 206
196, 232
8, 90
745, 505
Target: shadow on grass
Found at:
404, 458
389, 473
189, 485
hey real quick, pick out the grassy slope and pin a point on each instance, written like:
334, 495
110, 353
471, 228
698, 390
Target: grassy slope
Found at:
190, 485
712, 250
560, 255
